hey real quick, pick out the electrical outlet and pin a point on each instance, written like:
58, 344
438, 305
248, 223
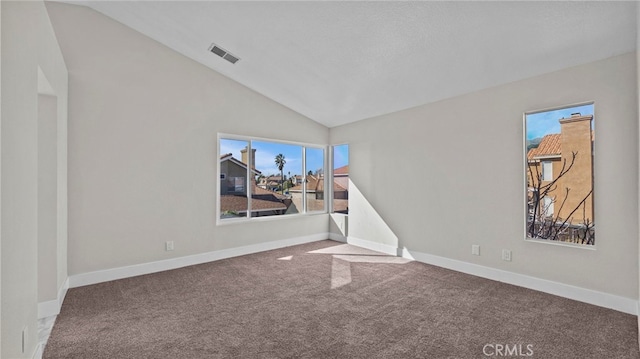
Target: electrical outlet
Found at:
168, 245
475, 249
506, 255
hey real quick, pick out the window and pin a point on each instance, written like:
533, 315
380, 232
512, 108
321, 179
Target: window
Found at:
269, 178
233, 195
236, 184
547, 171
548, 206
560, 205
340, 202
314, 179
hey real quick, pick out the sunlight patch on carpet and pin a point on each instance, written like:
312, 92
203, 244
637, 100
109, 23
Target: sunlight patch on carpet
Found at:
345, 254
372, 259
340, 273
347, 249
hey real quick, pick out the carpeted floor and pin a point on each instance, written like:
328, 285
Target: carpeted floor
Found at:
330, 300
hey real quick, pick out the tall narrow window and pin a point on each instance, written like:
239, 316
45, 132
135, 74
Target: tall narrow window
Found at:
341, 179
559, 147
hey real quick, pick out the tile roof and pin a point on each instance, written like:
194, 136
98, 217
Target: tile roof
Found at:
550, 145
258, 203
316, 184
344, 170
261, 200
261, 192
313, 184
338, 188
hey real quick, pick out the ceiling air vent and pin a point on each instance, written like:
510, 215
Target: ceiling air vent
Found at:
223, 53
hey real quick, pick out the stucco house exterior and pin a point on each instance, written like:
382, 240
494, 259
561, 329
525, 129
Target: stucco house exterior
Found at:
569, 179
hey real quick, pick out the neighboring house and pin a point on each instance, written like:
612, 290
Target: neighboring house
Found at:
341, 189
546, 163
296, 180
233, 192
341, 178
315, 192
271, 182
233, 176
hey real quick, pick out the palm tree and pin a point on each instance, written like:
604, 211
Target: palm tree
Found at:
280, 163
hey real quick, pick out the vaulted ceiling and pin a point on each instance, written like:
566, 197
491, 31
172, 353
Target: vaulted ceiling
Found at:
339, 62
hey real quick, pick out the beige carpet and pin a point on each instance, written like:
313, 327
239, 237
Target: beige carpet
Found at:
329, 300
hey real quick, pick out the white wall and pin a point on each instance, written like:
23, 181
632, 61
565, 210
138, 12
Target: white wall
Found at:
28, 43
47, 198
1, 178
638, 93
440, 177
143, 122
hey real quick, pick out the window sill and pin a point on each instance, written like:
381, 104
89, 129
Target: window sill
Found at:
562, 244
244, 220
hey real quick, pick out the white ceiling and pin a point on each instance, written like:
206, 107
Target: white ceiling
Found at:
339, 62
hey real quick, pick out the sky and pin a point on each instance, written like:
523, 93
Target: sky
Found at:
266, 153
340, 156
543, 123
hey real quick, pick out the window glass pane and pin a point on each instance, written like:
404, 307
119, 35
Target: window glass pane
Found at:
341, 179
279, 168
559, 172
314, 179
547, 171
233, 179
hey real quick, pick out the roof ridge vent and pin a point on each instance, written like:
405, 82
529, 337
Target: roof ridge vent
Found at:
224, 53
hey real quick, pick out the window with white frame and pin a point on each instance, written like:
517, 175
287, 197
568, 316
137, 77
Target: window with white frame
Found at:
340, 201
269, 178
547, 171
559, 172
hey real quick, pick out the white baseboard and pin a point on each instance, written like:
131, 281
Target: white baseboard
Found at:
52, 307
374, 246
106, 275
337, 237
611, 301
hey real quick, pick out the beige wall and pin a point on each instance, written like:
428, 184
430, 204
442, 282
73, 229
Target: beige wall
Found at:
467, 155
143, 124
29, 43
576, 137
